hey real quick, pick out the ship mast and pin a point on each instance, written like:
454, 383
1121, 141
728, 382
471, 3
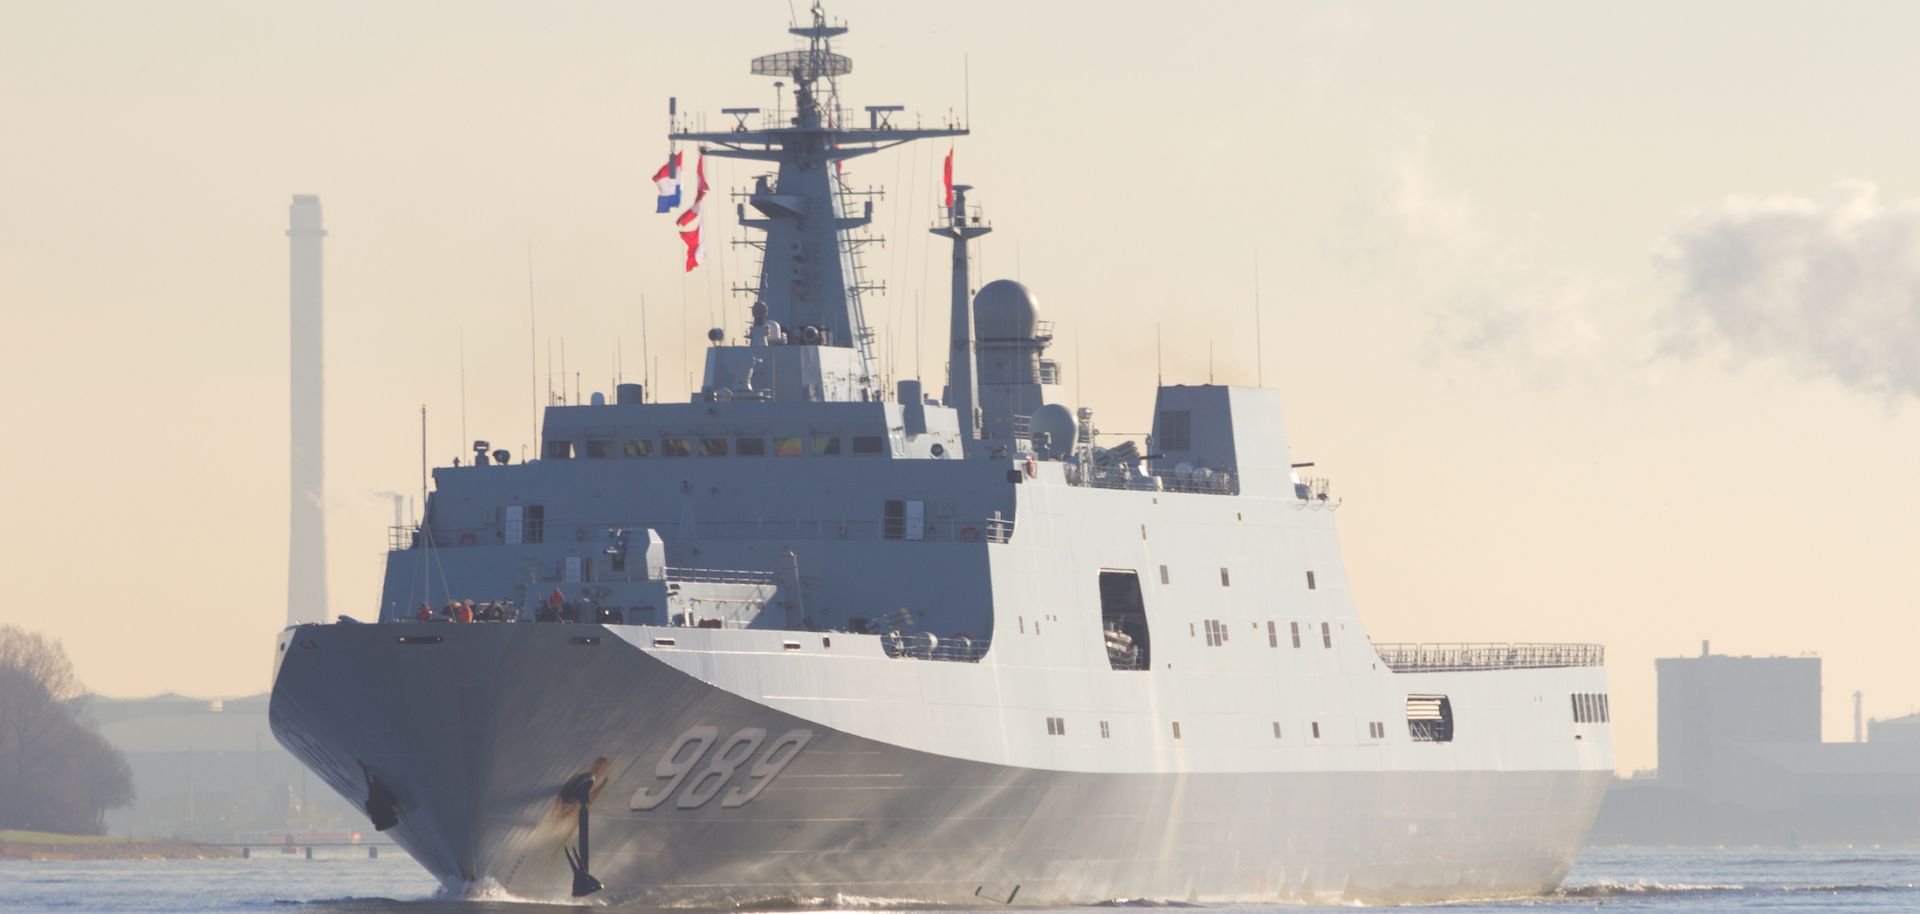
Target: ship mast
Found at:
809, 265
963, 393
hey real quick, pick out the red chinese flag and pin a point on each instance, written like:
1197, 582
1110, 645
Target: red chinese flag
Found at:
948, 180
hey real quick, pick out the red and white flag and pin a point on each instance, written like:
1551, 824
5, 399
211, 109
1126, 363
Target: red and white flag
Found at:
949, 178
689, 221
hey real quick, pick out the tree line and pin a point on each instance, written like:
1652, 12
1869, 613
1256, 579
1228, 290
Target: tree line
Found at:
57, 773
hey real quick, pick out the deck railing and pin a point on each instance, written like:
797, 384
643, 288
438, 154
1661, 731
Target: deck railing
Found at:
922, 646
1431, 658
932, 530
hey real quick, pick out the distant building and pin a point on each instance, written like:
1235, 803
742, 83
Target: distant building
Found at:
211, 768
1895, 730
1741, 762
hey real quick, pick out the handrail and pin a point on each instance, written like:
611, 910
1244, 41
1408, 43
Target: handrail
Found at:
720, 575
924, 646
1429, 658
932, 530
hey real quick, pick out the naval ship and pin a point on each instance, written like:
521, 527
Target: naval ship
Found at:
805, 637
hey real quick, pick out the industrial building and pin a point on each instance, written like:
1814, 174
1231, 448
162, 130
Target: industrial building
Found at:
1741, 762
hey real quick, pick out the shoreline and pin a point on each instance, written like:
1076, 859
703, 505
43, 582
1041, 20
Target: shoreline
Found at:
16, 845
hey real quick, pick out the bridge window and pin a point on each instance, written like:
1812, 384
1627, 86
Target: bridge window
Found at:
676, 447
713, 447
869, 444
1123, 621
1296, 634
1316, 729
1326, 635
599, 450
639, 448
1106, 732
1273, 637
789, 446
559, 450
826, 446
750, 447
1311, 584
1224, 581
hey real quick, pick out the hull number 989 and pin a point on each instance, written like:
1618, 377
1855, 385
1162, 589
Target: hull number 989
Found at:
680, 767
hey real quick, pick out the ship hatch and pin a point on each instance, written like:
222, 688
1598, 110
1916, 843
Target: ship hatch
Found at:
1123, 621
1430, 718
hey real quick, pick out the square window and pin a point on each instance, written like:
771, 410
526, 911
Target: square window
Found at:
713, 447
869, 444
1176, 729
789, 446
1060, 726
1276, 729
750, 447
1050, 730
1223, 579
1326, 635
1311, 583
676, 447
826, 446
1163, 574
638, 448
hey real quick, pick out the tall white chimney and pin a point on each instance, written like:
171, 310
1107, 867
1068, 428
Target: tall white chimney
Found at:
306, 521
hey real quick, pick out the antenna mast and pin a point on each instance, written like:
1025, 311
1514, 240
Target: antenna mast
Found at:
962, 226
811, 278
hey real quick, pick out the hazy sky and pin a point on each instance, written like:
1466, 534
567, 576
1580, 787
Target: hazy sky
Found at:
1604, 320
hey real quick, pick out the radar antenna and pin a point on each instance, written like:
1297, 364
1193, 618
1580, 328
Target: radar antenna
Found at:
809, 269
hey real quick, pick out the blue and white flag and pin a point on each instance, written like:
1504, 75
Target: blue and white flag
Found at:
667, 179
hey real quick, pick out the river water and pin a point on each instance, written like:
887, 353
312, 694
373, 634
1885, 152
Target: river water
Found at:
345, 881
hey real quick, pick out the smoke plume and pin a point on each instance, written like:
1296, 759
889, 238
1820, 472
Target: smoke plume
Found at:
1828, 287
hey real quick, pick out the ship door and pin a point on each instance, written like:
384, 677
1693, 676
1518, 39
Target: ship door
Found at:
916, 520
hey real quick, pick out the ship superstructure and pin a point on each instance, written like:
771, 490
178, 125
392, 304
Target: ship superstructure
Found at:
812, 637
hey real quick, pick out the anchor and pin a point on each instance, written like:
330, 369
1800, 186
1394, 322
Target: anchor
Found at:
382, 805
579, 789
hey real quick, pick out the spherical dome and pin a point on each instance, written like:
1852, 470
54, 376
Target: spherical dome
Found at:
1055, 421
1003, 310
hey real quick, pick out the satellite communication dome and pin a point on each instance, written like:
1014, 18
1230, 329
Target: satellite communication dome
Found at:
1005, 310
1057, 423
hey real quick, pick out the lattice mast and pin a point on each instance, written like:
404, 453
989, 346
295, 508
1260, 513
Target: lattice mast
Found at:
809, 272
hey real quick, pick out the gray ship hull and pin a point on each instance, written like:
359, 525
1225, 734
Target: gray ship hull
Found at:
474, 735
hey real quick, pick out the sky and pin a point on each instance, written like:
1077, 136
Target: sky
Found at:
1604, 321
